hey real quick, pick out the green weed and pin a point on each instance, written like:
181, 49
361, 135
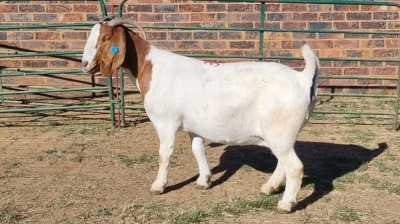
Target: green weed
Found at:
77, 158
344, 213
195, 216
10, 214
124, 159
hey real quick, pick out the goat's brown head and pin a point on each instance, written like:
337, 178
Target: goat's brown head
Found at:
105, 48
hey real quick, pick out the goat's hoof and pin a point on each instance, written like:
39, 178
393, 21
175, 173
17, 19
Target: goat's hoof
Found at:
203, 185
157, 192
285, 207
268, 190
156, 189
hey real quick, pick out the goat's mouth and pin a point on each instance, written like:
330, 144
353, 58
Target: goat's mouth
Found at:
95, 69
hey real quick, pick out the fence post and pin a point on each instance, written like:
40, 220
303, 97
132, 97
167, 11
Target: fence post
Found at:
396, 106
1, 88
122, 95
111, 99
262, 26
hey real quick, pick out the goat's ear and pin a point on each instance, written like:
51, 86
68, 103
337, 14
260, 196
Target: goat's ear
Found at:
113, 52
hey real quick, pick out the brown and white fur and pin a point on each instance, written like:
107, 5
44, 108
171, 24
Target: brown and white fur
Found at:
261, 103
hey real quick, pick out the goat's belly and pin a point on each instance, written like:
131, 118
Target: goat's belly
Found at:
233, 133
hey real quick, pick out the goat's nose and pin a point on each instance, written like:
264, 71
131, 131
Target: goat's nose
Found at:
84, 66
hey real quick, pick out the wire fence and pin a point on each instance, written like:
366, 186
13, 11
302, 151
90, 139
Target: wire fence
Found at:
117, 94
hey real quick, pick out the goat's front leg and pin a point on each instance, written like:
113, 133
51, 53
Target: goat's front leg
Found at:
198, 149
167, 140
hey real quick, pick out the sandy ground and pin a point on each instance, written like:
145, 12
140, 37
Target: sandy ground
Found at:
76, 168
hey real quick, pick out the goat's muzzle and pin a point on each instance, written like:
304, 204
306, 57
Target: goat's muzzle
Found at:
92, 70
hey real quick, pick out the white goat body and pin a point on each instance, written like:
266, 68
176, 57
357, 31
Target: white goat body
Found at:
262, 103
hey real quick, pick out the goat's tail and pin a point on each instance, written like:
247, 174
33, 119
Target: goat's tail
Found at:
311, 75
312, 63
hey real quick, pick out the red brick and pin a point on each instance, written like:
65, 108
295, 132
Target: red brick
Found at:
151, 17
86, 8
77, 45
292, 44
356, 71
45, 17
346, 7
8, 8
20, 18
343, 64
294, 7
214, 45
332, 71
47, 35
358, 16
332, 16
346, 44
35, 63
320, 7
373, 25
72, 17
242, 44
393, 25
202, 17
331, 36
382, 53
176, 17
240, 7
58, 45
346, 25
305, 16
21, 36
230, 35
188, 44
11, 63
393, 43
191, 8
294, 25
31, 8
216, 7
270, 7
74, 35
33, 45
386, 71
58, 8
331, 53
321, 44
228, 16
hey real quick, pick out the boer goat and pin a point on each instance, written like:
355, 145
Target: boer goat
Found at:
258, 103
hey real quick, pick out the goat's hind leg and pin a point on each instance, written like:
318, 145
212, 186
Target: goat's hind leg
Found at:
198, 149
275, 181
290, 167
293, 168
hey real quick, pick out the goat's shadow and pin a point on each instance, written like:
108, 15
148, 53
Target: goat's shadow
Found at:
323, 163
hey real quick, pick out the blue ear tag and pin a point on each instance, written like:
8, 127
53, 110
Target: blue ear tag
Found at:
114, 49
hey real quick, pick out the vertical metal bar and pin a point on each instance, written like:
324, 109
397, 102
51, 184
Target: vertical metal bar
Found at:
120, 7
103, 8
111, 99
396, 106
262, 26
1, 89
122, 95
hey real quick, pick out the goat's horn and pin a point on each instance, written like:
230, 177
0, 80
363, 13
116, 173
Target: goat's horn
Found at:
103, 20
116, 22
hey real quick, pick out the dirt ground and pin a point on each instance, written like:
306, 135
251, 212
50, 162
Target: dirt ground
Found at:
68, 167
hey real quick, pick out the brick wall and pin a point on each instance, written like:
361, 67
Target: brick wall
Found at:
210, 14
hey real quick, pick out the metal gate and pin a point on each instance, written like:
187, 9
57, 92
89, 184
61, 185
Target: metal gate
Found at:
119, 103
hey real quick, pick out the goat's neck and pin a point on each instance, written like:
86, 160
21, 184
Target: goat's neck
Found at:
135, 61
